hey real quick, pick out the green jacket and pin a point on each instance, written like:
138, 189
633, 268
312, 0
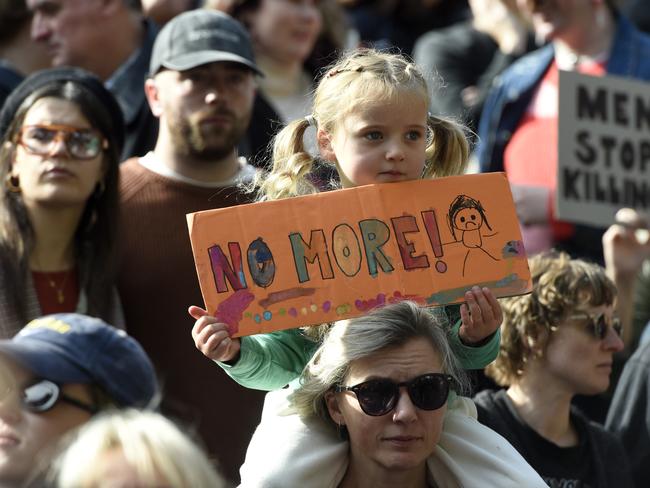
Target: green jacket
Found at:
271, 361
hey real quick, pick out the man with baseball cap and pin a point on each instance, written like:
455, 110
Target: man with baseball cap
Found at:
55, 374
202, 86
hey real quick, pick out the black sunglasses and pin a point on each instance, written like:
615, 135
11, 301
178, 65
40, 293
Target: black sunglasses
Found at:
597, 326
380, 396
42, 396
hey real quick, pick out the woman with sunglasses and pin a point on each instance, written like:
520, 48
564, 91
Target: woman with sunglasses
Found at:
384, 381
57, 372
558, 342
62, 133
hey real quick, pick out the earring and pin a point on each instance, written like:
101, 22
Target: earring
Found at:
100, 188
12, 183
342, 431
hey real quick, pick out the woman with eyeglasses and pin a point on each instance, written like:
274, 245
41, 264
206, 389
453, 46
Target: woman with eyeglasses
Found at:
558, 342
386, 383
62, 133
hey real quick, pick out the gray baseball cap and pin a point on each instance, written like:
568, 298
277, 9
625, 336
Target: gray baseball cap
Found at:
200, 37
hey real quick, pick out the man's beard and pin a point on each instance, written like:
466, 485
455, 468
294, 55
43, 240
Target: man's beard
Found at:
206, 143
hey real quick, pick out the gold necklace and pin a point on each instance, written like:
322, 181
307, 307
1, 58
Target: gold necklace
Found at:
60, 296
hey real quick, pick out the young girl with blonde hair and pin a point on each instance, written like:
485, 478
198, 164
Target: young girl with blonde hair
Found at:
370, 112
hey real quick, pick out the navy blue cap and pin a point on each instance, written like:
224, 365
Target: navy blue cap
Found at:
75, 348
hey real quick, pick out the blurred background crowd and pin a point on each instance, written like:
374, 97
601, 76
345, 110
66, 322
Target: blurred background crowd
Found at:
116, 246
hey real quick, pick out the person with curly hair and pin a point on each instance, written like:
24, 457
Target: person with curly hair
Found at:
558, 342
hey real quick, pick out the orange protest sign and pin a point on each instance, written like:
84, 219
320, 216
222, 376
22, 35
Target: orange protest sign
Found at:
319, 258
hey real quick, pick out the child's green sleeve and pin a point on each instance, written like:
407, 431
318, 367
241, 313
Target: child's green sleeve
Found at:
270, 361
471, 357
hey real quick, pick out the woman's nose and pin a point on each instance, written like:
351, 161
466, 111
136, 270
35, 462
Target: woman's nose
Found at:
613, 341
404, 411
59, 146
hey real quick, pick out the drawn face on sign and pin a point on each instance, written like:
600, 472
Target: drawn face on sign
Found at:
468, 219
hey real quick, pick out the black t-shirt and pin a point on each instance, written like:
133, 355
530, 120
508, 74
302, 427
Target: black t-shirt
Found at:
560, 467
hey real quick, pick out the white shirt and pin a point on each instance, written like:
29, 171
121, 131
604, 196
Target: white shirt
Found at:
244, 175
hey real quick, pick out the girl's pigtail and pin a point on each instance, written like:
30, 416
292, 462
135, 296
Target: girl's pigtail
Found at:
448, 151
292, 165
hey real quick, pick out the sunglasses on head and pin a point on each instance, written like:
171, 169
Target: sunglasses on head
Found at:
41, 139
42, 396
380, 396
597, 325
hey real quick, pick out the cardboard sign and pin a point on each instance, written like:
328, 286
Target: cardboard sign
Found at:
320, 258
604, 147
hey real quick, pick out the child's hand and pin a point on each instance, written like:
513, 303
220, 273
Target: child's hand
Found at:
481, 315
211, 337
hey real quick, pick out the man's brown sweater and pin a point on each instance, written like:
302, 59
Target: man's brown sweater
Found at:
157, 282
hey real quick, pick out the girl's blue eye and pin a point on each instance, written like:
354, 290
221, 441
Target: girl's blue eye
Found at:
413, 135
373, 136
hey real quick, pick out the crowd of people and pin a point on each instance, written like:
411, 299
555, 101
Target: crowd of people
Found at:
120, 117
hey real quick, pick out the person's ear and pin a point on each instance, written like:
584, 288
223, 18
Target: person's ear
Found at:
152, 93
332, 402
325, 145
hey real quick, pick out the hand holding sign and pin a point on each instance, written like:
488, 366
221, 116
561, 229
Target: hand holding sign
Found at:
212, 338
481, 315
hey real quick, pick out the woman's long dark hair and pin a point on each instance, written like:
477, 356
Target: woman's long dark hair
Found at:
95, 254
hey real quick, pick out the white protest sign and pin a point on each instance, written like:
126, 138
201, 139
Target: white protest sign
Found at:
604, 147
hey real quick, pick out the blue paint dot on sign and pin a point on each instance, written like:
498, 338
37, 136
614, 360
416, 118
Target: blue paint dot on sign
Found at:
257, 318
267, 315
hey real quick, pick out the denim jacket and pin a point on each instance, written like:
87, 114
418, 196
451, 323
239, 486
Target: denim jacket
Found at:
513, 91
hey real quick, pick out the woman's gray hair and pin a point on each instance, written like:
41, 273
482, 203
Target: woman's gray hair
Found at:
350, 340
